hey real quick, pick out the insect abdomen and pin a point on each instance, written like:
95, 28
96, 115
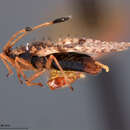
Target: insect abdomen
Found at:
76, 62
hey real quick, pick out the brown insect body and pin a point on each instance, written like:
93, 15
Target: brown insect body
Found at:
73, 61
74, 55
68, 60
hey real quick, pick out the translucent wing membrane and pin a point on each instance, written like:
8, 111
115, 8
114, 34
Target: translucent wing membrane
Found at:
93, 48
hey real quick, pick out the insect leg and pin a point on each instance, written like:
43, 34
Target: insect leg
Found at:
7, 66
8, 44
33, 77
19, 70
102, 66
48, 66
6, 59
21, 65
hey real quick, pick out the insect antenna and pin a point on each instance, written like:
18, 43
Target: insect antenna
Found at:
62, 19
21, 33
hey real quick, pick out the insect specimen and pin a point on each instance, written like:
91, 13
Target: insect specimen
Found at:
67, 60
57, 79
